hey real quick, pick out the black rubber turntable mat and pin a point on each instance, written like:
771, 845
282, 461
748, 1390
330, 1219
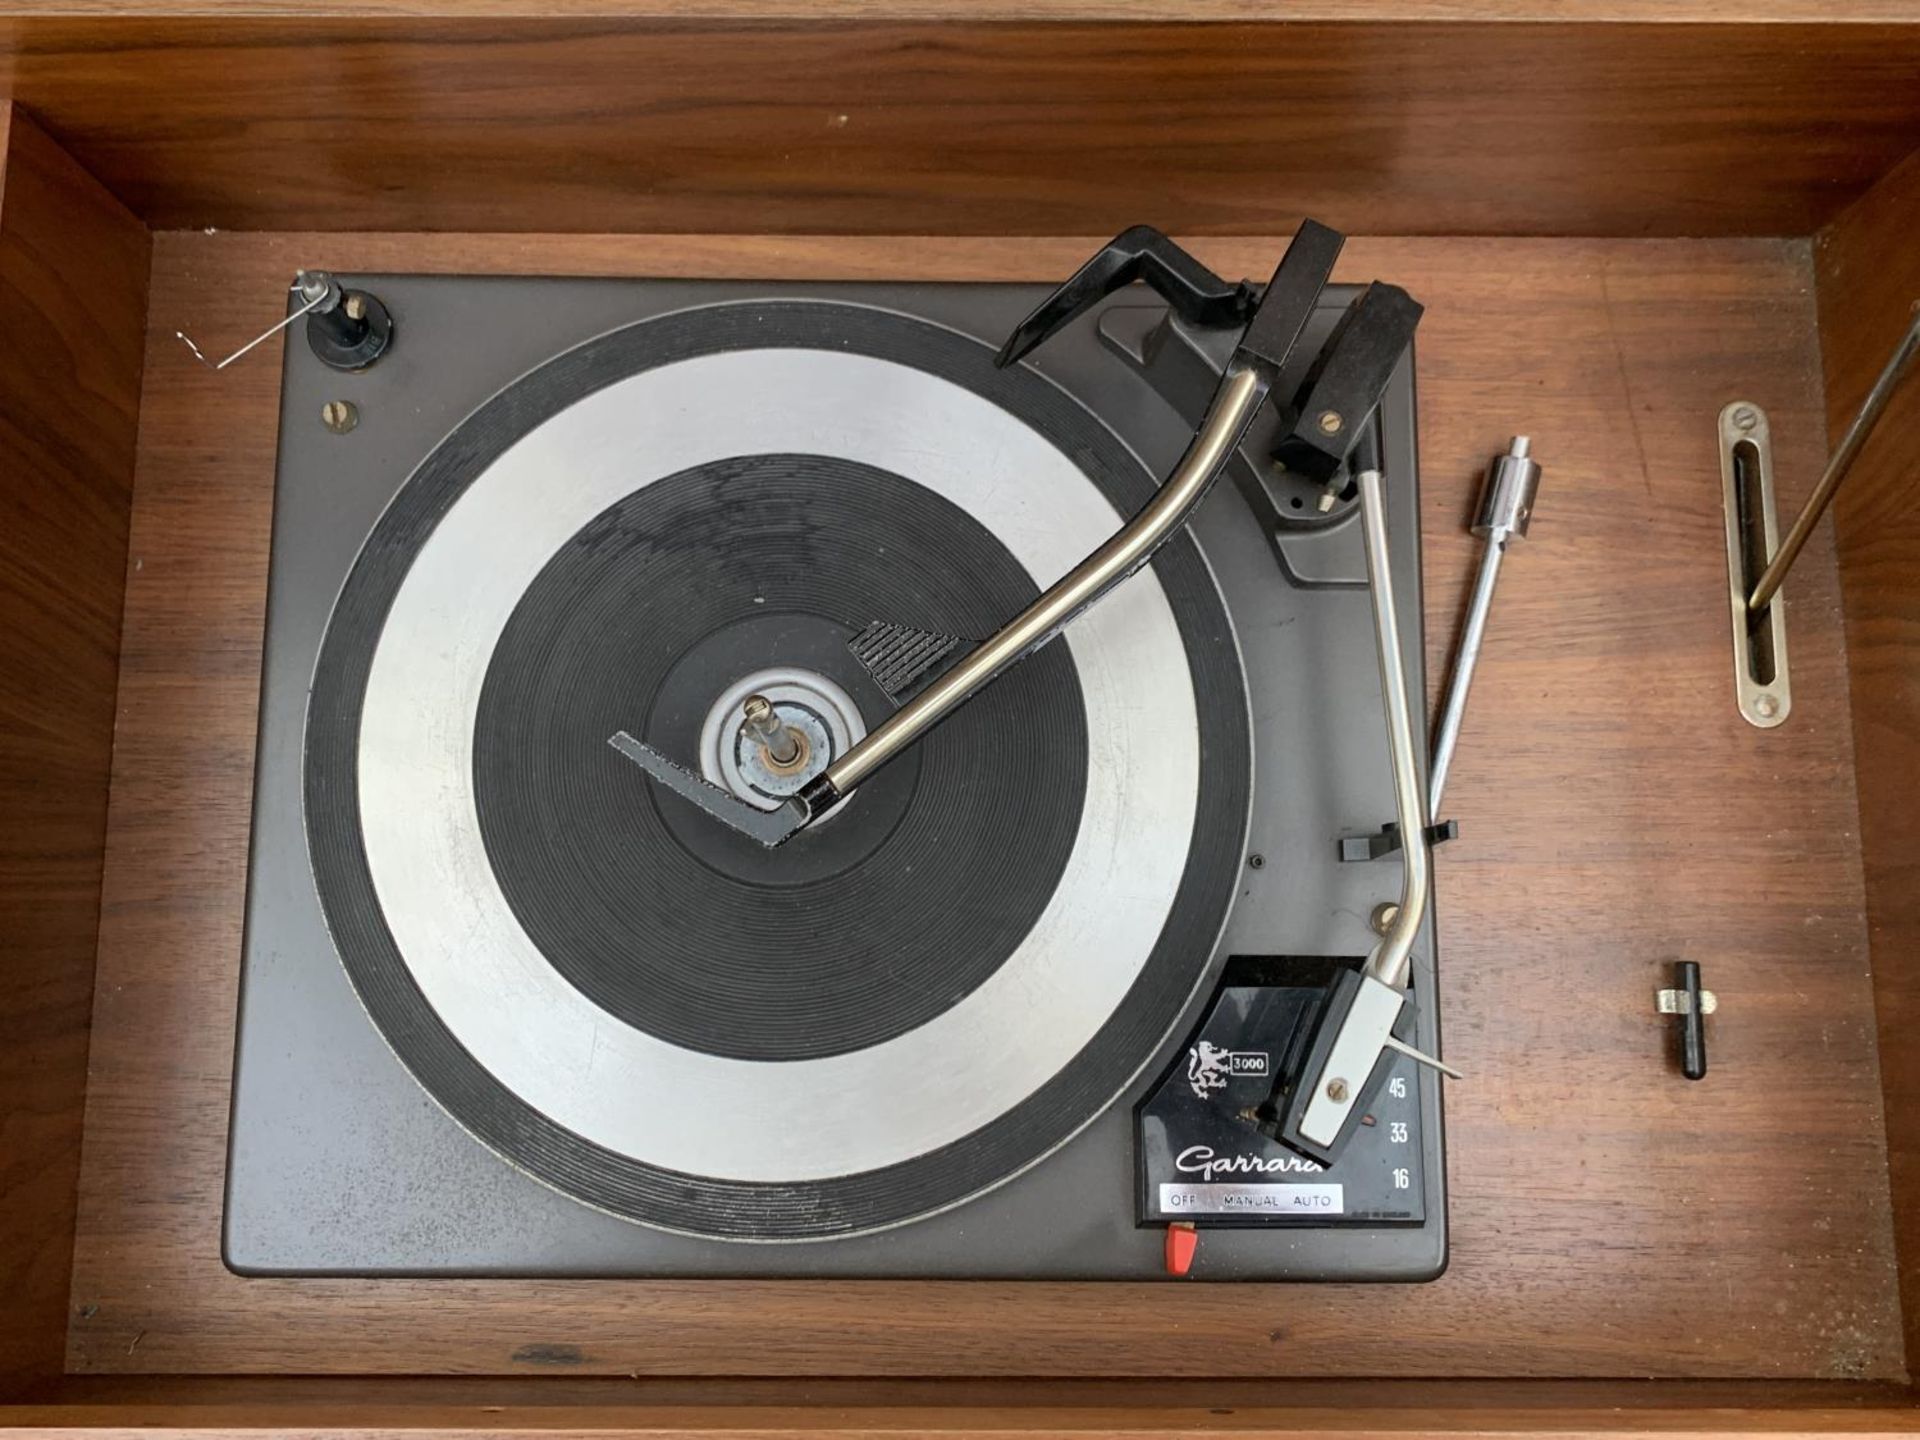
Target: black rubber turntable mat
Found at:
757, 953
1003, 777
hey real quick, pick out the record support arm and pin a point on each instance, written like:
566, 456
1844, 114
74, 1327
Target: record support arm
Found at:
1273, 329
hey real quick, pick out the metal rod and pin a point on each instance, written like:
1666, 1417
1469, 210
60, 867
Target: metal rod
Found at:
1239, 396
1448, 733
1391, 957
1870, 411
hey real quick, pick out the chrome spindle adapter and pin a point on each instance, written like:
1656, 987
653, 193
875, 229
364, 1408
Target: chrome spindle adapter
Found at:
1504, 512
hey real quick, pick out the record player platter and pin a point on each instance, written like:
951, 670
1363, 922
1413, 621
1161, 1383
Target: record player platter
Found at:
658, 1015
577, 509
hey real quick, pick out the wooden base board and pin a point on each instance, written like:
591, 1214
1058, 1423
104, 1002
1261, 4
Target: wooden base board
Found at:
461, 1409
1410, 1402
1609, 1218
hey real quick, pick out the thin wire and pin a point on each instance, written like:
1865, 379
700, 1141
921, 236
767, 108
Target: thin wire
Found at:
266, 335
1394, 1042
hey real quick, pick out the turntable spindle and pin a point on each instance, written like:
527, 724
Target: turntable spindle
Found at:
777, 741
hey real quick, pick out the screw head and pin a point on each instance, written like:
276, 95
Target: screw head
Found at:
1384, 914
1336, 1090
1746, 417
1330, 422
1256, 862
1766, 706
339, 416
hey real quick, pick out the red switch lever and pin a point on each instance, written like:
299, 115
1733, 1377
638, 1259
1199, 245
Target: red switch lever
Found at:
1182, 1241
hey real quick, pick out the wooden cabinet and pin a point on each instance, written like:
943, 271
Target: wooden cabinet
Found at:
1619, 215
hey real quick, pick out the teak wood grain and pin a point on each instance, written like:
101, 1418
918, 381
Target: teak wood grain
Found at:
1869, 287
1609, 1218
73, 277
1670, 12
1395, 1404
1060, 1411
871, 124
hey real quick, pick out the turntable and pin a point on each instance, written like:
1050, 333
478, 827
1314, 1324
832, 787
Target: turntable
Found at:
819, 780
